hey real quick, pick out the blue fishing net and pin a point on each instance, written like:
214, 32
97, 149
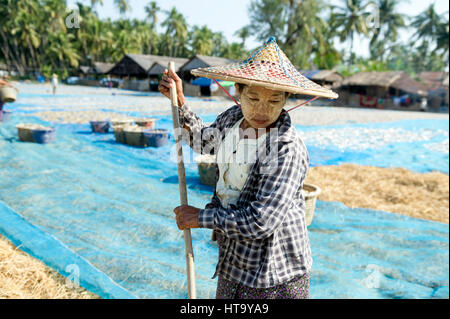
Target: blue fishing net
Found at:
108, 209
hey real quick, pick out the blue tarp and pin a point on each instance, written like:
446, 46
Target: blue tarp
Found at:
202, 82
107, 208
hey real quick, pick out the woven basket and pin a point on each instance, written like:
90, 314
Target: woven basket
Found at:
311, 192
8, 94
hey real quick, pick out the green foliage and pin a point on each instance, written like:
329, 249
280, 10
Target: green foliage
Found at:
34, 35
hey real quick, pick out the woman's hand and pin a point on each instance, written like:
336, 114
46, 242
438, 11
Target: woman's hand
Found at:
166, 83
4, 83
187, 216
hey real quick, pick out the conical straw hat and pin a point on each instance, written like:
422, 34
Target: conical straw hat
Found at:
268, 67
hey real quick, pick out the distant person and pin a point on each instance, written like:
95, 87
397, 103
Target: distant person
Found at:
423, 105
54, 83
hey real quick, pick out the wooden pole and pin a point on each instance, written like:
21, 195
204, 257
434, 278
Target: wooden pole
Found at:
182, 186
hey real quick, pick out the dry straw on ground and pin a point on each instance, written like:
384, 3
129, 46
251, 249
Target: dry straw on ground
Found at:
396, 190
23, 277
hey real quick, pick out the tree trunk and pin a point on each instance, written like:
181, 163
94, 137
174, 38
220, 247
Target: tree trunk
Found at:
12, 53
351, 48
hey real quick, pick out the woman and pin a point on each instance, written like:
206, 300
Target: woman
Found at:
258, 210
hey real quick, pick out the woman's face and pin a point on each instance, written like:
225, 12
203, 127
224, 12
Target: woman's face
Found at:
260, 106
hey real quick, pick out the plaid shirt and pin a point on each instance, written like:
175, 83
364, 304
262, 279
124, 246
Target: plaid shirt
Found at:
263, 240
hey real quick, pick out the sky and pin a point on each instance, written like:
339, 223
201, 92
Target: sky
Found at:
230, 15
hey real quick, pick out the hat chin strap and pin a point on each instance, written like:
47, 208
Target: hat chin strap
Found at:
229, 95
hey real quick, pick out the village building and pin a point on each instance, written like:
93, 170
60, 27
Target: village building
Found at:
326, 78
384, 90
437, 87
135, 69
204, 86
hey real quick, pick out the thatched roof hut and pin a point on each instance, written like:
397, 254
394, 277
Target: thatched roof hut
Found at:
201, 61
84, 70
383, 84
97, 68
141, 66
327, 78
162, 63
434, 80
101, 67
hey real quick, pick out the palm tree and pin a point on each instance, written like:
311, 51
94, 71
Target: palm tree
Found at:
350, 19
442, 37
432, 28
202, 40
176, 32
390, 22
152, 10
122, 5
426, 24
219, 44
243, 33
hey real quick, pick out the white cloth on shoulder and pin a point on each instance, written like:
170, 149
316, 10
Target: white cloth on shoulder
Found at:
234, 159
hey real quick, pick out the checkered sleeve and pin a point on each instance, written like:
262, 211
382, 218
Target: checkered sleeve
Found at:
276, 189
201, 138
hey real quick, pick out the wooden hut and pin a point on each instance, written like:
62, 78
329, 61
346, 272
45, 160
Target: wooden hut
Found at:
95, 70
84, 71
101, 68
437, 86
158, 67
200, 61
327, 78
161, 64
133, 66
394, 90
137, 70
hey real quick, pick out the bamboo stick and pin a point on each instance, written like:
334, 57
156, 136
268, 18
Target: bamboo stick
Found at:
182, 186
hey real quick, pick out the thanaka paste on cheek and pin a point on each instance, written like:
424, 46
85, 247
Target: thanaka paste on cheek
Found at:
259, 103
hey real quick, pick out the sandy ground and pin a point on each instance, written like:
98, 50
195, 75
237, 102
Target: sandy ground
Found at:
394, 190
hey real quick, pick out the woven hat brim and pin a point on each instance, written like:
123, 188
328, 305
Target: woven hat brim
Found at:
203, 72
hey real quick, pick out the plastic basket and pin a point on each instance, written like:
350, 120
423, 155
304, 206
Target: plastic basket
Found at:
134, 136
35, 133
147, 123
44, 136
156, 138
99, 126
